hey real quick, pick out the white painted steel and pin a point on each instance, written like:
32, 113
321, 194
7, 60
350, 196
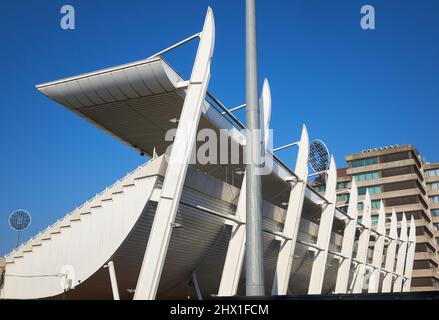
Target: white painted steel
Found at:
292, 218
410, 256
235, 253
236, 250
324, 235
348, 241
363, 246
155, 254
402, 252
86, 245
113, 280
390, 255
378, 251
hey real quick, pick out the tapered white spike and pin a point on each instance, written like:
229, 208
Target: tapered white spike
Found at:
410, 256
402, 252
348, 241
292, 219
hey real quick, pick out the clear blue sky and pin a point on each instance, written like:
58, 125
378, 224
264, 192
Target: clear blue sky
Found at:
354, 89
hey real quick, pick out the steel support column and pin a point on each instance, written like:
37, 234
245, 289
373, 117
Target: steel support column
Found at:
113, 279
324, 234
292, 218
374, 280
410, 257
390, 255
347, 247
363, 246
236, 250
155, 254
402, 252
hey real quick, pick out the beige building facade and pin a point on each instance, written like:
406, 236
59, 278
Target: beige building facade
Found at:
397, 176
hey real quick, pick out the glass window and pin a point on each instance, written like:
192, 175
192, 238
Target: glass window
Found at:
343, 185
372, 190
432, 173
434, 199
367, 176
320, 188
343, 197
376, 204
433, 186
364, 162
436, 226
435, 212
344, 209
374, 219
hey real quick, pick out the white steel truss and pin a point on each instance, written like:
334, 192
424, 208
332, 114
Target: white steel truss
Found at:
236, 249
410, 257
324, 234
160, 235
363, 246
292, 218
390, 255
347, 247
401, 259
374, 280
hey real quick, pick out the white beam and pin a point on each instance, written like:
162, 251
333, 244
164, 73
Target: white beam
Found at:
402, 251
292, 219
363, 246
347, 246
374, 280
390, 255
410, 257
196, 285
235, 252
155, 254
113, 280
324, 234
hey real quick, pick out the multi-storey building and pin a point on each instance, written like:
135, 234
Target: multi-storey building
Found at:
431, 172
396, 175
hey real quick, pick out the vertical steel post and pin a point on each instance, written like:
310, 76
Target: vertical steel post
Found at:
113, 280
254, 236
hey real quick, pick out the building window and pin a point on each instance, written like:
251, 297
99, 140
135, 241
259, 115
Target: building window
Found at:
364, 162
367, 176
374, 219
432, 173
376, 204
434, 199
343, 197
435, 212
320, 188
372, 190
360, 206
343, 185
433, 186
436, 226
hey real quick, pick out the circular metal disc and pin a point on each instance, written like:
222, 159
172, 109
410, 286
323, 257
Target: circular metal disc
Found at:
318, 156
19, 220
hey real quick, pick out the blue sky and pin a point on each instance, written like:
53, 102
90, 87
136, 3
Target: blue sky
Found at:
354, 89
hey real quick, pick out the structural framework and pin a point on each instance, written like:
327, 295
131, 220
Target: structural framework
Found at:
173, 228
